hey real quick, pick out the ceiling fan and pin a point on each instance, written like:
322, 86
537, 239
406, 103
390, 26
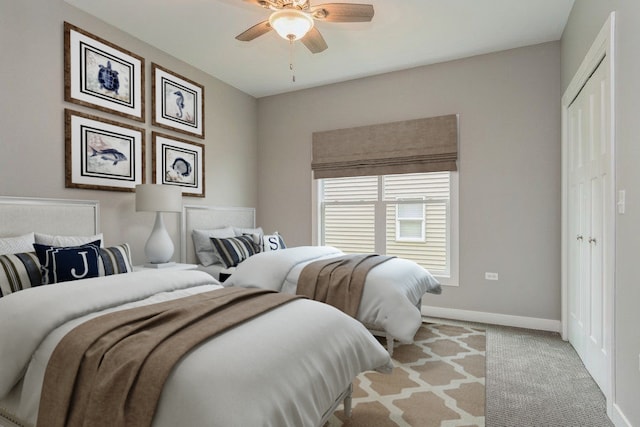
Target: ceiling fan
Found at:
294, 20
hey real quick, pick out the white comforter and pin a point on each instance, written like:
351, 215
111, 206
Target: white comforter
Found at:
392, 289
284, 368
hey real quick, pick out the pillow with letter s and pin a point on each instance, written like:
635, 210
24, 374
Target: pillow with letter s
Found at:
272, 242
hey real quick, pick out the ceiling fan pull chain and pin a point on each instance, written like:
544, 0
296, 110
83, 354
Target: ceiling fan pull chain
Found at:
293, 75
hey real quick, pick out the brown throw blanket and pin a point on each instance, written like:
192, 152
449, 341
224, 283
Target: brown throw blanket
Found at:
110, 370
338, 281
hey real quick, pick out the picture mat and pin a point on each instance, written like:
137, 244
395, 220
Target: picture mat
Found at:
81, 156
165, 110
167, 150
131, 83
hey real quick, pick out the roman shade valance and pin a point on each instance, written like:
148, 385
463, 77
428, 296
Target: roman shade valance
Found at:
411, 146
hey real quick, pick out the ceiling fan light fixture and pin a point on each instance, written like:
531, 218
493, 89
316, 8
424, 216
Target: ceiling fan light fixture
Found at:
291, 24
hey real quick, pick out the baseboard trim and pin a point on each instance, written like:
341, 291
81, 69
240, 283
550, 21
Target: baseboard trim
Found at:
618, 418
493, 318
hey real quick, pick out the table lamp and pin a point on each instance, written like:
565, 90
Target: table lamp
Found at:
158, 198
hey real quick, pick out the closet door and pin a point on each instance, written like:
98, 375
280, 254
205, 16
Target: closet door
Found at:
590, 242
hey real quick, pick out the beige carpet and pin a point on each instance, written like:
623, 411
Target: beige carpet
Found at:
437, 381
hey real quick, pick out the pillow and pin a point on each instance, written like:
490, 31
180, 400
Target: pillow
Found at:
19, 271
203, 246
23, 270
272, 242
115, 260
241, 231
18, 244
63, 264
62, 261
234, 250
67, 241
255, 233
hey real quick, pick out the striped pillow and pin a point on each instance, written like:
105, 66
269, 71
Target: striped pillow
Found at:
18, 272
115, 260
234, 250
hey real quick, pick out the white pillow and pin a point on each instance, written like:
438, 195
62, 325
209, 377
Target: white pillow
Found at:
203, 246
18, 244
272, 242
67, 241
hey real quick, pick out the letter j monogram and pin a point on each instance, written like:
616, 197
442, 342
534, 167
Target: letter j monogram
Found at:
86, 266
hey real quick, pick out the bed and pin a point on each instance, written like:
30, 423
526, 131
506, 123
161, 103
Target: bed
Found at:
391, 299
289, 366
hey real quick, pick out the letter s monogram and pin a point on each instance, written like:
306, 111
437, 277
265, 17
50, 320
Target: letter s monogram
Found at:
86, 266
273, 243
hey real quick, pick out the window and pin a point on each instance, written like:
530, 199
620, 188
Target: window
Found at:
412, 216
410, 221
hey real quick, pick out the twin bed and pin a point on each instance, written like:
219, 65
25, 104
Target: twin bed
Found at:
391, 300
288, 366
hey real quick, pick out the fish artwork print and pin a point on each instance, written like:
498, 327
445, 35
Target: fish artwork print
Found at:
109, 154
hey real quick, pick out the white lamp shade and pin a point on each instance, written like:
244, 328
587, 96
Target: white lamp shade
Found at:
291, 24
158, 198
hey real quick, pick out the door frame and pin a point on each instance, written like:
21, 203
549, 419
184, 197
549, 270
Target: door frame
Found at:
602, 46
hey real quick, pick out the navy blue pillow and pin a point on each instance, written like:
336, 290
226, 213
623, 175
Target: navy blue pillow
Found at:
68, 263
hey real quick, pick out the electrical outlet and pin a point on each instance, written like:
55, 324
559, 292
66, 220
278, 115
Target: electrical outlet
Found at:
491, 276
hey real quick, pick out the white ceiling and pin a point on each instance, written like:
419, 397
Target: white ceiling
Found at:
403, 34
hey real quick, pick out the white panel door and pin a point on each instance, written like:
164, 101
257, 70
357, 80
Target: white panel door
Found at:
590, 236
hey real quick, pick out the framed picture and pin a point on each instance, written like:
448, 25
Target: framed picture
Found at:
101, 75
101, 154
178, 103
178, 162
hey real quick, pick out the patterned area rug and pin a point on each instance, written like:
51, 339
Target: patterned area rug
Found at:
437, 381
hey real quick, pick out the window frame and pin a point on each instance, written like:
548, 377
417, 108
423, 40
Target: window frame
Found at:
448, 278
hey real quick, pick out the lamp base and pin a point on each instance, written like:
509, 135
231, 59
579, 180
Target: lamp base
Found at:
160, 265
159, 247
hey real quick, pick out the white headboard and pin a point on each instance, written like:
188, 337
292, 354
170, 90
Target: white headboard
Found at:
207, 218
20, 215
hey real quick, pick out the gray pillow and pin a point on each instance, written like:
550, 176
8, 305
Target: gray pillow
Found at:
203, 246
255, 233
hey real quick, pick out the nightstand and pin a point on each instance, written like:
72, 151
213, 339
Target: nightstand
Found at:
173, 267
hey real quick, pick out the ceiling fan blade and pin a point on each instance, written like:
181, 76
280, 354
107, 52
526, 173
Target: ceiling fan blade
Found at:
314, 41
255, 31
343, 12
261, 3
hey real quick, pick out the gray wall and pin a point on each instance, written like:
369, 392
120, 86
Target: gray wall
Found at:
585, 21
509, 106
32, 122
